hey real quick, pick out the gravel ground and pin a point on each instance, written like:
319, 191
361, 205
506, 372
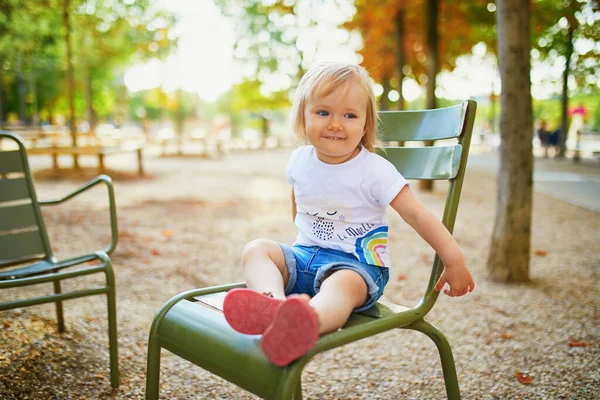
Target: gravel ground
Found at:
184, 226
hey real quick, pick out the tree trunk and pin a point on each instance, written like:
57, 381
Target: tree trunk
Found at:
433, 63
510, 245
492, 116
400, 57
2, 101
89, 96
35, 113
564, 103
384, 102
179, 122
21, 89
70, 79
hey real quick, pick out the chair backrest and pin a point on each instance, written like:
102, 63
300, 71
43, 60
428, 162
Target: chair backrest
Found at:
23, 234
446, 162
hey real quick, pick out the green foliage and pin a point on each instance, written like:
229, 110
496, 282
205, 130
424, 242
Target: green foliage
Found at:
549, 110
246, 105
267, 33
154, 105
106, 36
558, 25
595, 123
247, 96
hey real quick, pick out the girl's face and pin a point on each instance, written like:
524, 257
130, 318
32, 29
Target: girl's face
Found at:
335, 124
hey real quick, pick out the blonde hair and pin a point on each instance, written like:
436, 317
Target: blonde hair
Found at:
321, 80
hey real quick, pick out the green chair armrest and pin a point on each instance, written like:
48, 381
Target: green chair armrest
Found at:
112, 206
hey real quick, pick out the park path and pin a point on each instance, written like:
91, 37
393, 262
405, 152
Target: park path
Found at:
575, 183
184, 225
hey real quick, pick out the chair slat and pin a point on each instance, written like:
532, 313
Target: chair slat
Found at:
17, 217
440, 162
20, 245
13, 189
10, 161
437, 124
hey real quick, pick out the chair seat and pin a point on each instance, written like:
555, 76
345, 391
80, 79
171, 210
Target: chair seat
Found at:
202, 336
42, 267
32, 269
198, 332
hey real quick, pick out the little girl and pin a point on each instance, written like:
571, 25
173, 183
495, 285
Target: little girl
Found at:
340, 190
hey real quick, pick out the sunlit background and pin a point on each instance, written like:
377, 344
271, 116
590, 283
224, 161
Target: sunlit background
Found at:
223, 68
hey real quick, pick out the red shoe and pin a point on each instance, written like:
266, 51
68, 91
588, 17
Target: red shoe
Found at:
294, 331
248, 311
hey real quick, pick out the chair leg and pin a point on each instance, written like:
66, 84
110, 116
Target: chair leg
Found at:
448, 366
290, 386
298, 391
113, 342
60, 319
153, 368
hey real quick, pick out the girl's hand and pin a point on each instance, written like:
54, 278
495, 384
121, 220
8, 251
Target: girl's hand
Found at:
459, 278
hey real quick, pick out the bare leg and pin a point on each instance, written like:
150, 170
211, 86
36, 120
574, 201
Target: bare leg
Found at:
340, 293
248, 310
264, 267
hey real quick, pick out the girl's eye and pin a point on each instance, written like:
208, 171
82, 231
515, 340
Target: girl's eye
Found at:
351, 116
322, 113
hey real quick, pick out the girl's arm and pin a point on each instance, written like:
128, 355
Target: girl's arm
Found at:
431, 229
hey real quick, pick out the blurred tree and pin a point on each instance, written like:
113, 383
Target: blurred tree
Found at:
99, 38
511, 238
558, 26
249, 98
28, 49
416, 38
267, 34
396, 33
392, 37
66, 12
108, 36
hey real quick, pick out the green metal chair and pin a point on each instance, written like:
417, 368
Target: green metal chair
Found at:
188, 326
26, 256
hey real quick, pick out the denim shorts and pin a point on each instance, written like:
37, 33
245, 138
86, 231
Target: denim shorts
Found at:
308, 267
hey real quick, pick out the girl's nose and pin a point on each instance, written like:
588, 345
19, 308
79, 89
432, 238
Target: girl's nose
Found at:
334, 126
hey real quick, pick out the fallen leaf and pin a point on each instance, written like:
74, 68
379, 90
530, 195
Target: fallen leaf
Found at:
155, 252
507, 335
99, 376
575, 343
124, 233
524, 378
169, 232
402, 277
540, 252
7, 324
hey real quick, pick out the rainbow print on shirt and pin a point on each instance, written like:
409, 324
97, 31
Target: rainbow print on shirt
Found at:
370, 247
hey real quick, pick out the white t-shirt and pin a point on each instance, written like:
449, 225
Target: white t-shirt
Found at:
343, 206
